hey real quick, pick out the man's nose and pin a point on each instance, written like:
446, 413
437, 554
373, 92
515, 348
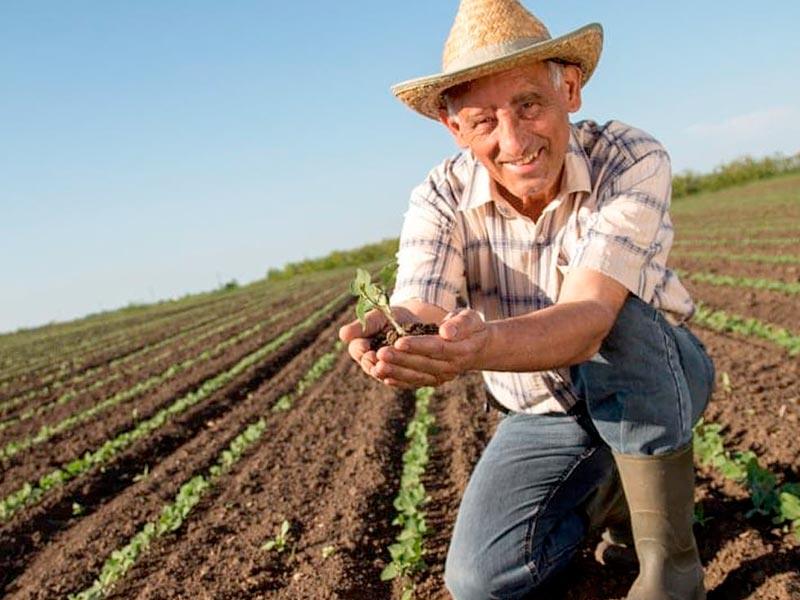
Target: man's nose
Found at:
511, 139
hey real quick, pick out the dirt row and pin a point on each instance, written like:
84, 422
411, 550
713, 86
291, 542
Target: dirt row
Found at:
787, 273
768, 307
144, 367
46, 550
39, 459
75, 362
332, 474
59, 364
40, 393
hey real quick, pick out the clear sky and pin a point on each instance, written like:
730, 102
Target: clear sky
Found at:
150, 148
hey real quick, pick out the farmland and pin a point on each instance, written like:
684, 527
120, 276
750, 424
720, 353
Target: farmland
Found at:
224, 446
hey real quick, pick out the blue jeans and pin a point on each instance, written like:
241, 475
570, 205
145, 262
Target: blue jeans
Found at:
521, 518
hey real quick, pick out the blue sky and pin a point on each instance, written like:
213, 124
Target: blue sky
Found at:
153, 148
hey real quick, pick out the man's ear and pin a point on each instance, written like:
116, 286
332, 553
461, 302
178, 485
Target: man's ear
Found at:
572, 87
453, 126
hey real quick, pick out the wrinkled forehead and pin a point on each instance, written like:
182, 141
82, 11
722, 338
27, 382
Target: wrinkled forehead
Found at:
505, 83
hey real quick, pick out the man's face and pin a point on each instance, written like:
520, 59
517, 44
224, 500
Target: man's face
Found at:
517, 125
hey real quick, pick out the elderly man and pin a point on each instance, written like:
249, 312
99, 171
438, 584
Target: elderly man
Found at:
555, 236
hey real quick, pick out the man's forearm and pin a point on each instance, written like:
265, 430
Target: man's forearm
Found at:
557, 336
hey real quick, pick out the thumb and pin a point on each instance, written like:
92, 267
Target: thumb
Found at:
353, 330
459, 325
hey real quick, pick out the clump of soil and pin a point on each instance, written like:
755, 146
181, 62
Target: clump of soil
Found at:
388, 335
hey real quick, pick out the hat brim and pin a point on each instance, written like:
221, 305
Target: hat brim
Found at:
581, 47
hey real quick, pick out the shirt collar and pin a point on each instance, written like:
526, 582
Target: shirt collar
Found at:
478, 188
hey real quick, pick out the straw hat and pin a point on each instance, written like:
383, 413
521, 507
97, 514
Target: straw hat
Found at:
489, 36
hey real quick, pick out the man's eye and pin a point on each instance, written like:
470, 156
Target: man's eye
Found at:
482, 123
530, 108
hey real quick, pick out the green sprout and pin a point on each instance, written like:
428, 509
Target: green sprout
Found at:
278, 543
373, 296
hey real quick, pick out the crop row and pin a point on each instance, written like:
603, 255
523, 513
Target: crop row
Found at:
778, 241
96, 383
48, 431
755, 283
407, 551
135, 340
711, 231
65, 355
32, 492
775, 259
57, 363
217, 328
99, 349
721, 321
780, 503
174, 514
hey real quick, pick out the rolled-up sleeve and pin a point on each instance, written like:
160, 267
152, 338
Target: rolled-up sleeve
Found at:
630, 235
430, 259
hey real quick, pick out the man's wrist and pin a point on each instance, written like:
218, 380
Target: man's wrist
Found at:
484, 358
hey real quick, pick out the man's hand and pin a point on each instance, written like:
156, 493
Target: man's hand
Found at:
430, 360
357, 337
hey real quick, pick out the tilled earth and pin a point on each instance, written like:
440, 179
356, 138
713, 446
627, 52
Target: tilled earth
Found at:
330, 466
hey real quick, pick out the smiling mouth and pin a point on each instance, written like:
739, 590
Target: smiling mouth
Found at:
525, 160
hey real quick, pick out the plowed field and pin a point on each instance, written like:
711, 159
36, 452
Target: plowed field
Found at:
237, 412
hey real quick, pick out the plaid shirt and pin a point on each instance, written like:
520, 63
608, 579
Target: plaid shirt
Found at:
611, 215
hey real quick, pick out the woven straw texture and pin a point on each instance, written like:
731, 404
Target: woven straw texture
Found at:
489, 36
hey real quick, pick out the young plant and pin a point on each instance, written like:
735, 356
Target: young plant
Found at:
373, 296
279, 542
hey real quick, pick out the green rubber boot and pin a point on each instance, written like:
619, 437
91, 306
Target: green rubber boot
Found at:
607, 511
660, 494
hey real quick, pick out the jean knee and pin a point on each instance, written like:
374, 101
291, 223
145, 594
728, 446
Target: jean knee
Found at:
464, 578
473, 575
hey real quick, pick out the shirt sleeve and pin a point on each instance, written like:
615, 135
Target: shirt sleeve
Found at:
430, 259
630, 235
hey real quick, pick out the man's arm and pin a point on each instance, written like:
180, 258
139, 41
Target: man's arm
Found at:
567, 333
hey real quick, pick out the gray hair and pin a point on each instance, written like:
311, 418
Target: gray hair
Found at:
555, 68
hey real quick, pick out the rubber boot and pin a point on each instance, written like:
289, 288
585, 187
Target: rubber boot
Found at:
660, 493
607, 510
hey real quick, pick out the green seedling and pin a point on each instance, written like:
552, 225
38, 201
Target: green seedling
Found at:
372, 295
699, 516
77, 509
143, 475
278, 543
328, 551
726, 382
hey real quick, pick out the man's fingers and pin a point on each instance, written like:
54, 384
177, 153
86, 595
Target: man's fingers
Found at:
415, 362
432, 346
385, 371
367, 362
357, 348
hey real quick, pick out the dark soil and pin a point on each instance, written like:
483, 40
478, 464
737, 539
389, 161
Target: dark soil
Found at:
72, 557
787, 273
389, 335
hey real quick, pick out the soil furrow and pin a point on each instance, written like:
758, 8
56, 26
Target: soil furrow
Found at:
74, 556
37, 460
136, 341
321, 466
76, 383
770, 307
34, 527
723, 266
132, 375
462, 430
100, 352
